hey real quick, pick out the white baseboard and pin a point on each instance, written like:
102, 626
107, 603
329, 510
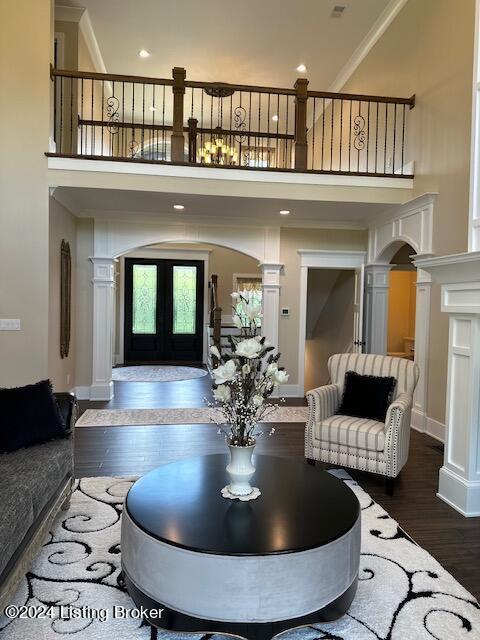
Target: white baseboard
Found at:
94, 392
460, 494
430, 426
290, 391
82, 393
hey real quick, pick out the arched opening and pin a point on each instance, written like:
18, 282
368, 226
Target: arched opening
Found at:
162, 301
402, 303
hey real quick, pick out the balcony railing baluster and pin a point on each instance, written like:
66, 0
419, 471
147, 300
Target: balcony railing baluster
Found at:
228, 125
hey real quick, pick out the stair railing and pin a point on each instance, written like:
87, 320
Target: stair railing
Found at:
215, 313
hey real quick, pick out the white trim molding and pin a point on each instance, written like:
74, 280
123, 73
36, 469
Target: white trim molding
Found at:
382, 23
411, 223
212, 173
377, 285
318, 259
425, 424
459, 478
103, 327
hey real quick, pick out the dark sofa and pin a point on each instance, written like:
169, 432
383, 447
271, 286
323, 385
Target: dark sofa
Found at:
34, 484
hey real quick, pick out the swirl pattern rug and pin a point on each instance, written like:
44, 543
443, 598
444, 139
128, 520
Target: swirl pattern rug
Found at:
403, 593
156, 373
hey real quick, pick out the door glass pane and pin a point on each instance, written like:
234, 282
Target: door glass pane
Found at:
144, 298
184, 298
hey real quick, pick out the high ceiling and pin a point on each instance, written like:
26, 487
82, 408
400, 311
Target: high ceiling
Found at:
251, 42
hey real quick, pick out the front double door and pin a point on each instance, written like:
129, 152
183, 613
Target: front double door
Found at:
163, 310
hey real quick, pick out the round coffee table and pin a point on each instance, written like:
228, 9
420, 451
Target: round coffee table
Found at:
254, 568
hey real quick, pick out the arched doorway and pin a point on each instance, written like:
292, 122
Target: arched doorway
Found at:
119, 238
397, 313
402, 304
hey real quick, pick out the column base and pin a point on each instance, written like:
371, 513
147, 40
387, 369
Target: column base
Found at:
461, 494
101, 391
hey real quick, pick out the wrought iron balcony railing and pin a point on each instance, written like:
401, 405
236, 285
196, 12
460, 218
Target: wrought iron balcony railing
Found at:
174, 120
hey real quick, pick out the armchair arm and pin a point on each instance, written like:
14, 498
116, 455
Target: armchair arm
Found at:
397, 433
323, 401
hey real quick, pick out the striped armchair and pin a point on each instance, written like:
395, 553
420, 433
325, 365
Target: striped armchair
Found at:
360, 443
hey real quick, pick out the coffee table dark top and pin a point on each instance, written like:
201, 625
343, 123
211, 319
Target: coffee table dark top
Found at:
301, 507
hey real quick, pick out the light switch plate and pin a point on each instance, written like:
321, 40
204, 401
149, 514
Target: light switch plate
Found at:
9, 324
285, 311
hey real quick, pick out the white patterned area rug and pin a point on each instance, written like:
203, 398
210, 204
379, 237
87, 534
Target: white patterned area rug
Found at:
192, 415
156, 373
403, 592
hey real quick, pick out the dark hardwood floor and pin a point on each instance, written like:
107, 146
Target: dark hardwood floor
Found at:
452, 539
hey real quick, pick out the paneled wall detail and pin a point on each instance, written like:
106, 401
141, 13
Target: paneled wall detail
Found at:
411, 223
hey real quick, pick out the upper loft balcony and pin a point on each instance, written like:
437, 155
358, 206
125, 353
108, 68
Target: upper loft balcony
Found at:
180, 122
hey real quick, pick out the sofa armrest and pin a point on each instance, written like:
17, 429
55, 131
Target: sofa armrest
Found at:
323, 401
67, 403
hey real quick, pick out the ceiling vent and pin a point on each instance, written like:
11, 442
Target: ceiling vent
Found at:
338, 11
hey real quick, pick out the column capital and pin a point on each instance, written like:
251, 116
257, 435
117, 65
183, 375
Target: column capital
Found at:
377, 275
103, 269
271, 274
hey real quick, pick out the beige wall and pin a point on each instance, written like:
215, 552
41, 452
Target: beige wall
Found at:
70, 33
61, 371
428, 51
25, 99
333, 331
401, 309
290, 241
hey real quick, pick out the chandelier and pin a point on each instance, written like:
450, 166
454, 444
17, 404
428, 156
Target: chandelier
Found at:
217, 151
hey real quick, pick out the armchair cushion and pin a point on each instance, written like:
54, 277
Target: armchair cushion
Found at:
359, 433
367, 396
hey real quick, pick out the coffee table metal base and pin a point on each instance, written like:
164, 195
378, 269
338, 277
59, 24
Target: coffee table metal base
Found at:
171, 620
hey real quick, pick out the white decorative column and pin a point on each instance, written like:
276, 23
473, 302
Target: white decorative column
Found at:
459, 479
422, 332
271, 300
377, 283
103, 324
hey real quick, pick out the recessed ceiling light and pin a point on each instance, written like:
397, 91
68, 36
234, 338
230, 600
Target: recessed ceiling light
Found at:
275, 118
301, 68
143, 53
180, 207
152, 108
284, 212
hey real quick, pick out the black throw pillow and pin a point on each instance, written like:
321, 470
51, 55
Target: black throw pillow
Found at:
366, 396
29, 415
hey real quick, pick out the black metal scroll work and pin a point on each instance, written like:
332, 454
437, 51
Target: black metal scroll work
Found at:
239, 124
359, 134
113, 106
65, 298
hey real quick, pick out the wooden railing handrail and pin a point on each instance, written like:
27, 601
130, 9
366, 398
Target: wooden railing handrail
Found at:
108, 77
359, 97
168, 127
239, 87
112, 77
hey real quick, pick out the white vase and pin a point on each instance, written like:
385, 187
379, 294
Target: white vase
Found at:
240, 470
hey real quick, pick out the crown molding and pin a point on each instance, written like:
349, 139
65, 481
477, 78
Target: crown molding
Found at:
68, 14
382, 23
86, 28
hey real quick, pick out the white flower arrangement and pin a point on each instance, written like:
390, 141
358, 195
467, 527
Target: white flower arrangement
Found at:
244, 378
